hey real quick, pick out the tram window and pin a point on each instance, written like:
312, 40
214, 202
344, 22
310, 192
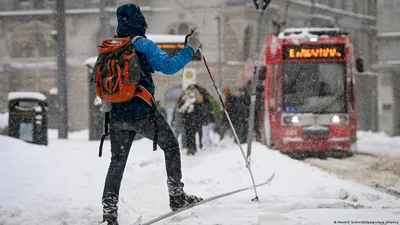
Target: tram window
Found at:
271, 88
278, 87
351, 95
317, 87
350, 88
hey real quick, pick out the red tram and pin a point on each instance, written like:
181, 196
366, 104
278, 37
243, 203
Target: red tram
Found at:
309, 92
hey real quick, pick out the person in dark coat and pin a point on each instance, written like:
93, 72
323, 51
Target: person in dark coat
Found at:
191, 108
136, 116
243, 106
206, 118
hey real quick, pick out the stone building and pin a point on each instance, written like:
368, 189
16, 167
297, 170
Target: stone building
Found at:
388, 66
28, 55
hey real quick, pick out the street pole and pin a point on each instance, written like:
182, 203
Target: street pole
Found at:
96, 116
219, 53
312, 13
261, 5
103, 17
280, 24
62, 71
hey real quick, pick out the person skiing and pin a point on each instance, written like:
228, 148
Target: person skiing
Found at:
135, 116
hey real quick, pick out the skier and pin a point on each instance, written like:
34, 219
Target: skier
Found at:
135, 116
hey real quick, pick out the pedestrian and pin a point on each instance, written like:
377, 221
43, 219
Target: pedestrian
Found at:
135, 116
206, 118
232, 107
190, 107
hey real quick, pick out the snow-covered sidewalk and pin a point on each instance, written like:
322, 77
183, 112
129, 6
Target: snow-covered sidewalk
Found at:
378, 144
63, 183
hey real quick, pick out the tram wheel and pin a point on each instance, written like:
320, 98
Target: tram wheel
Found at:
297, 155
322, 155
340, 154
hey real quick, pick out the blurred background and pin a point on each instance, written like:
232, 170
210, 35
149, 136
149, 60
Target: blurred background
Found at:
30, 48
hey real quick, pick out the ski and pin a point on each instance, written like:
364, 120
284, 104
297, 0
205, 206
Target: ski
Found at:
169, 214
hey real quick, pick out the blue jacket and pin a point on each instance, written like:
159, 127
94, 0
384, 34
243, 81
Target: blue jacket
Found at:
150, 57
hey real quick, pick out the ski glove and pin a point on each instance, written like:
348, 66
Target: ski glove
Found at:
193, 39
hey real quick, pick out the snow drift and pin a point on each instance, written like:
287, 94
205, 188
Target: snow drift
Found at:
63, 182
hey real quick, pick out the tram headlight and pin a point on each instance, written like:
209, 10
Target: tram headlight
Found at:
336, 119
291, 120
295, 120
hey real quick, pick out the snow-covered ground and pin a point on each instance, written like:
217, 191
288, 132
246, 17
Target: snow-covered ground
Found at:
63, 182
3, 120
378, 144
380, 169
378, 172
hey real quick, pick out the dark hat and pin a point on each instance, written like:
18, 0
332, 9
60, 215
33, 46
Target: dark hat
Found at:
131, 21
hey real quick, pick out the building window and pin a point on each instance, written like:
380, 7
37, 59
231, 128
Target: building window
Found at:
235, 2
357, 8
343, 4
180, 28
171, 31
38, 4
31, 39
111, 2
248, 34
108, 3
371, 7
25, 4
34, 4
183, 28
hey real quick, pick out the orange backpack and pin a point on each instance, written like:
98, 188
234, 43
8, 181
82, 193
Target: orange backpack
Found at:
117, 75
117, 72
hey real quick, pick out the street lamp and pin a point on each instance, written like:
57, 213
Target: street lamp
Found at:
260, 5
218, 18
59, 36
264, 4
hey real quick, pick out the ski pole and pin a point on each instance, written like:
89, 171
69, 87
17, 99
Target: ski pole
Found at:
231, 125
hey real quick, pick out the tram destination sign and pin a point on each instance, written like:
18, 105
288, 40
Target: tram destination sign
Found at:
313, 51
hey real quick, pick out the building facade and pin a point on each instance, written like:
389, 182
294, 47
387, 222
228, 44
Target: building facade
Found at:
388, 65
28, 55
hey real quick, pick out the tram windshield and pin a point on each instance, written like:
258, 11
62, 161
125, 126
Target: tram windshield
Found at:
316, 87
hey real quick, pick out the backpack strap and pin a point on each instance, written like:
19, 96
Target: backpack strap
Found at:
155, 130
144, 94
106, 133
133, 39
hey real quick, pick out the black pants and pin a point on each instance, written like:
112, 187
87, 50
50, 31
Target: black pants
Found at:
192, 126
121, 137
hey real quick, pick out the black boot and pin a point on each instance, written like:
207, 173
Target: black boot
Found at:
111, 221
110, 210
191, 153
183, 201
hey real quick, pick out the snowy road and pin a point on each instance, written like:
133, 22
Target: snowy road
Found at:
62, 184
379, 167
381, 172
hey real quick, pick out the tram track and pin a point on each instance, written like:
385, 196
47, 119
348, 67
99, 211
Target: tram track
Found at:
379, 172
